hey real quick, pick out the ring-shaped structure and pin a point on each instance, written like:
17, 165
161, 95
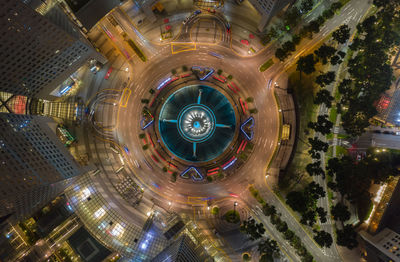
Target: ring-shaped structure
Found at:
196, 123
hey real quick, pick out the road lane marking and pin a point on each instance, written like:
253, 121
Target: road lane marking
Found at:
177, 47
126, 93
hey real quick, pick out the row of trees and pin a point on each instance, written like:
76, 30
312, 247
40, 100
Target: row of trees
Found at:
289, 235
255, 231
370, 73
267, 248
292, 18
305, 201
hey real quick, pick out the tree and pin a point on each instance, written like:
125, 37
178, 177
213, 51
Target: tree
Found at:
322, 214
144, 100
314, 169
297, 201
323, 238
314, 190
340, 212
306, 6
282, 226
336, 6
173, 71
246, 257
347, 237
251, 228
336, 60
333, 166
345, 88
313, 26
289, 46
323, 97
292, 17
184, 68
342, 34
268, 247
306, 64
308, 218
281, 54
325, 79
269, 210
327, 14
318, 145
289, 234
324, 52
323, 125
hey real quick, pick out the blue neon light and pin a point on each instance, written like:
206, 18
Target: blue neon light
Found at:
147, 125
195, 170
230, 164
200, 69
65, 89
249, 137
163, 83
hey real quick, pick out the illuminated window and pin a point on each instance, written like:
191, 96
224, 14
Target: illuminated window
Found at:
117, 231
85, 192
99, 213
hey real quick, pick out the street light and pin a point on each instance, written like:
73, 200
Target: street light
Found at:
234, 207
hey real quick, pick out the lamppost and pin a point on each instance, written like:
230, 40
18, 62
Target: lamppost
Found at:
234, 209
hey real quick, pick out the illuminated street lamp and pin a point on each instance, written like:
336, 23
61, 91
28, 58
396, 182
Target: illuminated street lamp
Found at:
234, 209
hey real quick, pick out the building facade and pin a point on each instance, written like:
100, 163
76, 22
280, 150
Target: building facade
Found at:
267, 9
39, 48
35, 166
183, 249
382, 247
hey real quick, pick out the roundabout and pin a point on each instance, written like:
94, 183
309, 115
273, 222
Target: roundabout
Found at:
187, 134
197, 123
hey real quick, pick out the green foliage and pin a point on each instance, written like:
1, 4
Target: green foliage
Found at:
342, 34
325, 78
184, 68
246, 257
230, 77
266, 65
306, 6
142, 135
340, 212
347, 237
209, 179
250, 99
219, 72
324, 52
253, 111
369, 67
268, 247
324, 97
215, 210
173, 176
323, 125
232, 217
145, 147
144, 101
306, 64
151, 91
252, 229
164, 169
323, 238
173, 71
